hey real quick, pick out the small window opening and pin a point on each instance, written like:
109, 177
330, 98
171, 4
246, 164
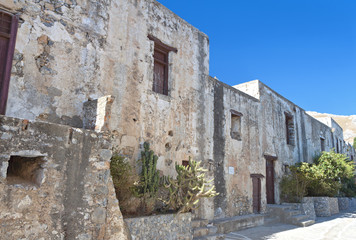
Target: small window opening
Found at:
236, 125
322, 144
289, 129
337, 146
185, 163
26, 171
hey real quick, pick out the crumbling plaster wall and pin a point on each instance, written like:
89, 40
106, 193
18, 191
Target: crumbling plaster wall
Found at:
76, 198
236, 159
307, 131
73, 51
57, 61
177, 125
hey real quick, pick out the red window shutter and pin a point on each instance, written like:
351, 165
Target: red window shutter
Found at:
8, 30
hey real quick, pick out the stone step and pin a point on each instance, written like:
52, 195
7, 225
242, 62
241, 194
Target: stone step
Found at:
299, 217
217, 236
306, 223
292, 212
199, 223
271, 221
236, 223
203, 231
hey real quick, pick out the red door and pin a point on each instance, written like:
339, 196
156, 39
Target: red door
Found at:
256, 194
8, 30
270, 181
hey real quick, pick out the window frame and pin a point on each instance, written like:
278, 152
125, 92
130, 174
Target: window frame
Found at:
5, 79
290, 137
163, 49
236, 135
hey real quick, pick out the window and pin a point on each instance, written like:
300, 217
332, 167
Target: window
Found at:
337, 146
26, 171
8, 30
185, 163
235, 125
161, 66
322, 144
289, 128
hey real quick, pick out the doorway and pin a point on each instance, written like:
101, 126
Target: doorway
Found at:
270, 179
256, 192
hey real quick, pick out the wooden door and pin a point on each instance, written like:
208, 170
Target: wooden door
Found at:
256, 194
270, 181
8, 30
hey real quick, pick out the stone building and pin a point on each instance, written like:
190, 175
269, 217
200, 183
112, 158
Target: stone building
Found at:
135, 71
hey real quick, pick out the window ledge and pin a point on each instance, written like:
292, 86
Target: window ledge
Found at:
161, 96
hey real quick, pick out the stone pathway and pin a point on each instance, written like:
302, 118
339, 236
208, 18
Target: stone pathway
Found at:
341, 226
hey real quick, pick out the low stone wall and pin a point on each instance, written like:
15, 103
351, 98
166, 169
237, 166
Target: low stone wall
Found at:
322, 206
308, 207
164, 227
352, 202
344, 203
55, 183
334, 205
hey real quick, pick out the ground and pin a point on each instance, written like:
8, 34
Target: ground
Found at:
341, 226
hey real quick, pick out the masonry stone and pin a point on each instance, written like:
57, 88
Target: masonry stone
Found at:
81, 88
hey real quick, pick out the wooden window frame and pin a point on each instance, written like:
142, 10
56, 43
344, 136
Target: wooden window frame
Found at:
162, 49
290, 137
5, 81
237, 115
322, 144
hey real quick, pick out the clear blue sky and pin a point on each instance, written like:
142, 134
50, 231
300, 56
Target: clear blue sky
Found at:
303, 49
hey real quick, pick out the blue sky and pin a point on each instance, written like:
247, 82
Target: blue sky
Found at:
303, 49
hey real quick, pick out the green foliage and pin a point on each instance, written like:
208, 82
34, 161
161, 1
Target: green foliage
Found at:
149, 181
348, 188
330, 175
189, 187
354, 143
123, 178
294, 185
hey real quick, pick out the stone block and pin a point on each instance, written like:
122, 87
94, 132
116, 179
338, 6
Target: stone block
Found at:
322, 206
343, 203
334, 205
168, 227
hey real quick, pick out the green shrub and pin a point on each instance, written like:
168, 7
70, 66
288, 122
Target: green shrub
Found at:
124, 178
189, 187
294, 185
330, 175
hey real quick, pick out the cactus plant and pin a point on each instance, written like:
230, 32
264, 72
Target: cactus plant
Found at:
189, 187
149, 175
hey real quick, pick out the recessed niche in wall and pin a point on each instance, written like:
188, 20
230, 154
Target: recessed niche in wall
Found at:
25, 171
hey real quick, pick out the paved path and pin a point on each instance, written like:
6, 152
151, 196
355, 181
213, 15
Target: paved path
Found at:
341, 226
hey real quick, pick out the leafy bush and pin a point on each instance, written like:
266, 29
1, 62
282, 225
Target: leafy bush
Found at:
189, 187
294, 185
330, 175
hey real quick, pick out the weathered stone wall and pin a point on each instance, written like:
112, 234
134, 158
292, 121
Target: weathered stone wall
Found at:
325, 206
73, 51
306, 142
72, 196
167, 227
236, 157
70, 54
344, 203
